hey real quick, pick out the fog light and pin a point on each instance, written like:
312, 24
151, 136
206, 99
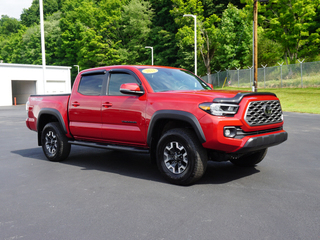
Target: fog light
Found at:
227, 132
230, 132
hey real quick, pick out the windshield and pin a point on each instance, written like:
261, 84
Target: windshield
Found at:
166, 79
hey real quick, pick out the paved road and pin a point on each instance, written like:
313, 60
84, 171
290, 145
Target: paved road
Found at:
100, 194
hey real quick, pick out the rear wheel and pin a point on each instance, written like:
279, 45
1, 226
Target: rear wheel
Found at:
250, 159
180, 157
54, 143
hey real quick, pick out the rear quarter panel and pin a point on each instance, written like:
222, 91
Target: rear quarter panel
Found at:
40, 103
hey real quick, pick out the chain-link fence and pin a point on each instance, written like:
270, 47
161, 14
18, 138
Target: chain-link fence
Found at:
287, 76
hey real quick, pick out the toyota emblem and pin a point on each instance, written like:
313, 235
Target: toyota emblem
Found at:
267, 110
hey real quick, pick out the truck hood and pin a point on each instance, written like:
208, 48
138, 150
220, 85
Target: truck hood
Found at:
204, 95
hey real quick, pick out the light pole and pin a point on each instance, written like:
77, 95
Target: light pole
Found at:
195, 40
151, 54
42, 46
78, 67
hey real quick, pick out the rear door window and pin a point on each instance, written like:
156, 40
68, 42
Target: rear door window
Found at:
91, 85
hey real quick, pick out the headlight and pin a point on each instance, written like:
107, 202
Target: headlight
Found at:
219, 109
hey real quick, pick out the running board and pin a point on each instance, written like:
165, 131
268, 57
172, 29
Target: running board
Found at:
110, 147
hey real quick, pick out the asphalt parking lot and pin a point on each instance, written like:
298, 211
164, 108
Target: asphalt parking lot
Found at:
100, 194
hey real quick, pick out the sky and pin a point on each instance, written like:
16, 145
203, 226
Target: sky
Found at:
13, 8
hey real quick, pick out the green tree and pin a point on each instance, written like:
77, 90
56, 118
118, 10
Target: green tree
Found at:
31, 15
235, 39
71, 29
11, 31
209, 40
206, 34
31, 42
292, 24
105, 32
10, 48
136, 19
31, 46
162, 34
9, 25
165, 47
97, 42
218, 6
269, 51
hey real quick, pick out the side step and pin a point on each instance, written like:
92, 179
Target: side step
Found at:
110, 147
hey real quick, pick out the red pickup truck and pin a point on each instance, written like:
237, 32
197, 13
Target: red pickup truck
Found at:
167, 112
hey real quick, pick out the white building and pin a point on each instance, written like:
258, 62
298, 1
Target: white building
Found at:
19, 81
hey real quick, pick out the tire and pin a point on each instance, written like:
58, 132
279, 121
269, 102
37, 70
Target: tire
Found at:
54, 143
181, 158
250, 159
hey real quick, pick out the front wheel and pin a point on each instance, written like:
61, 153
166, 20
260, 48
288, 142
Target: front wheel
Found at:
180, 157
54, 143
250, 159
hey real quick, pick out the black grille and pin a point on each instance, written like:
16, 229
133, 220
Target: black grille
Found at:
258, 113
241, 134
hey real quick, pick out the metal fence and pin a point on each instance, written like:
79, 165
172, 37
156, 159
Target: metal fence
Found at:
286, 76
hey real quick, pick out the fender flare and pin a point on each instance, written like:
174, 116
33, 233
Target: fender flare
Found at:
176, 115
56, 114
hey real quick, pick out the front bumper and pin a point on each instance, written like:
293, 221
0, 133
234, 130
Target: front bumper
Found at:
258, 143
246, 140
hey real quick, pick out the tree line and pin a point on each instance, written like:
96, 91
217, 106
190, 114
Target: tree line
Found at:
92, 33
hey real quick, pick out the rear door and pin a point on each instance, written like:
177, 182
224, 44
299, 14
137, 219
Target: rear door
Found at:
85, 106
122, 114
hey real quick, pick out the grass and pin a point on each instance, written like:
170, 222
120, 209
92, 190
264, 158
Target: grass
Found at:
308, 81
303, 100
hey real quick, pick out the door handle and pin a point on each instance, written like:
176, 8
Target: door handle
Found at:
75, 104
106, 105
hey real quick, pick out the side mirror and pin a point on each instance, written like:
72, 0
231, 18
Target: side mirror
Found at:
131, 88
210, 85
